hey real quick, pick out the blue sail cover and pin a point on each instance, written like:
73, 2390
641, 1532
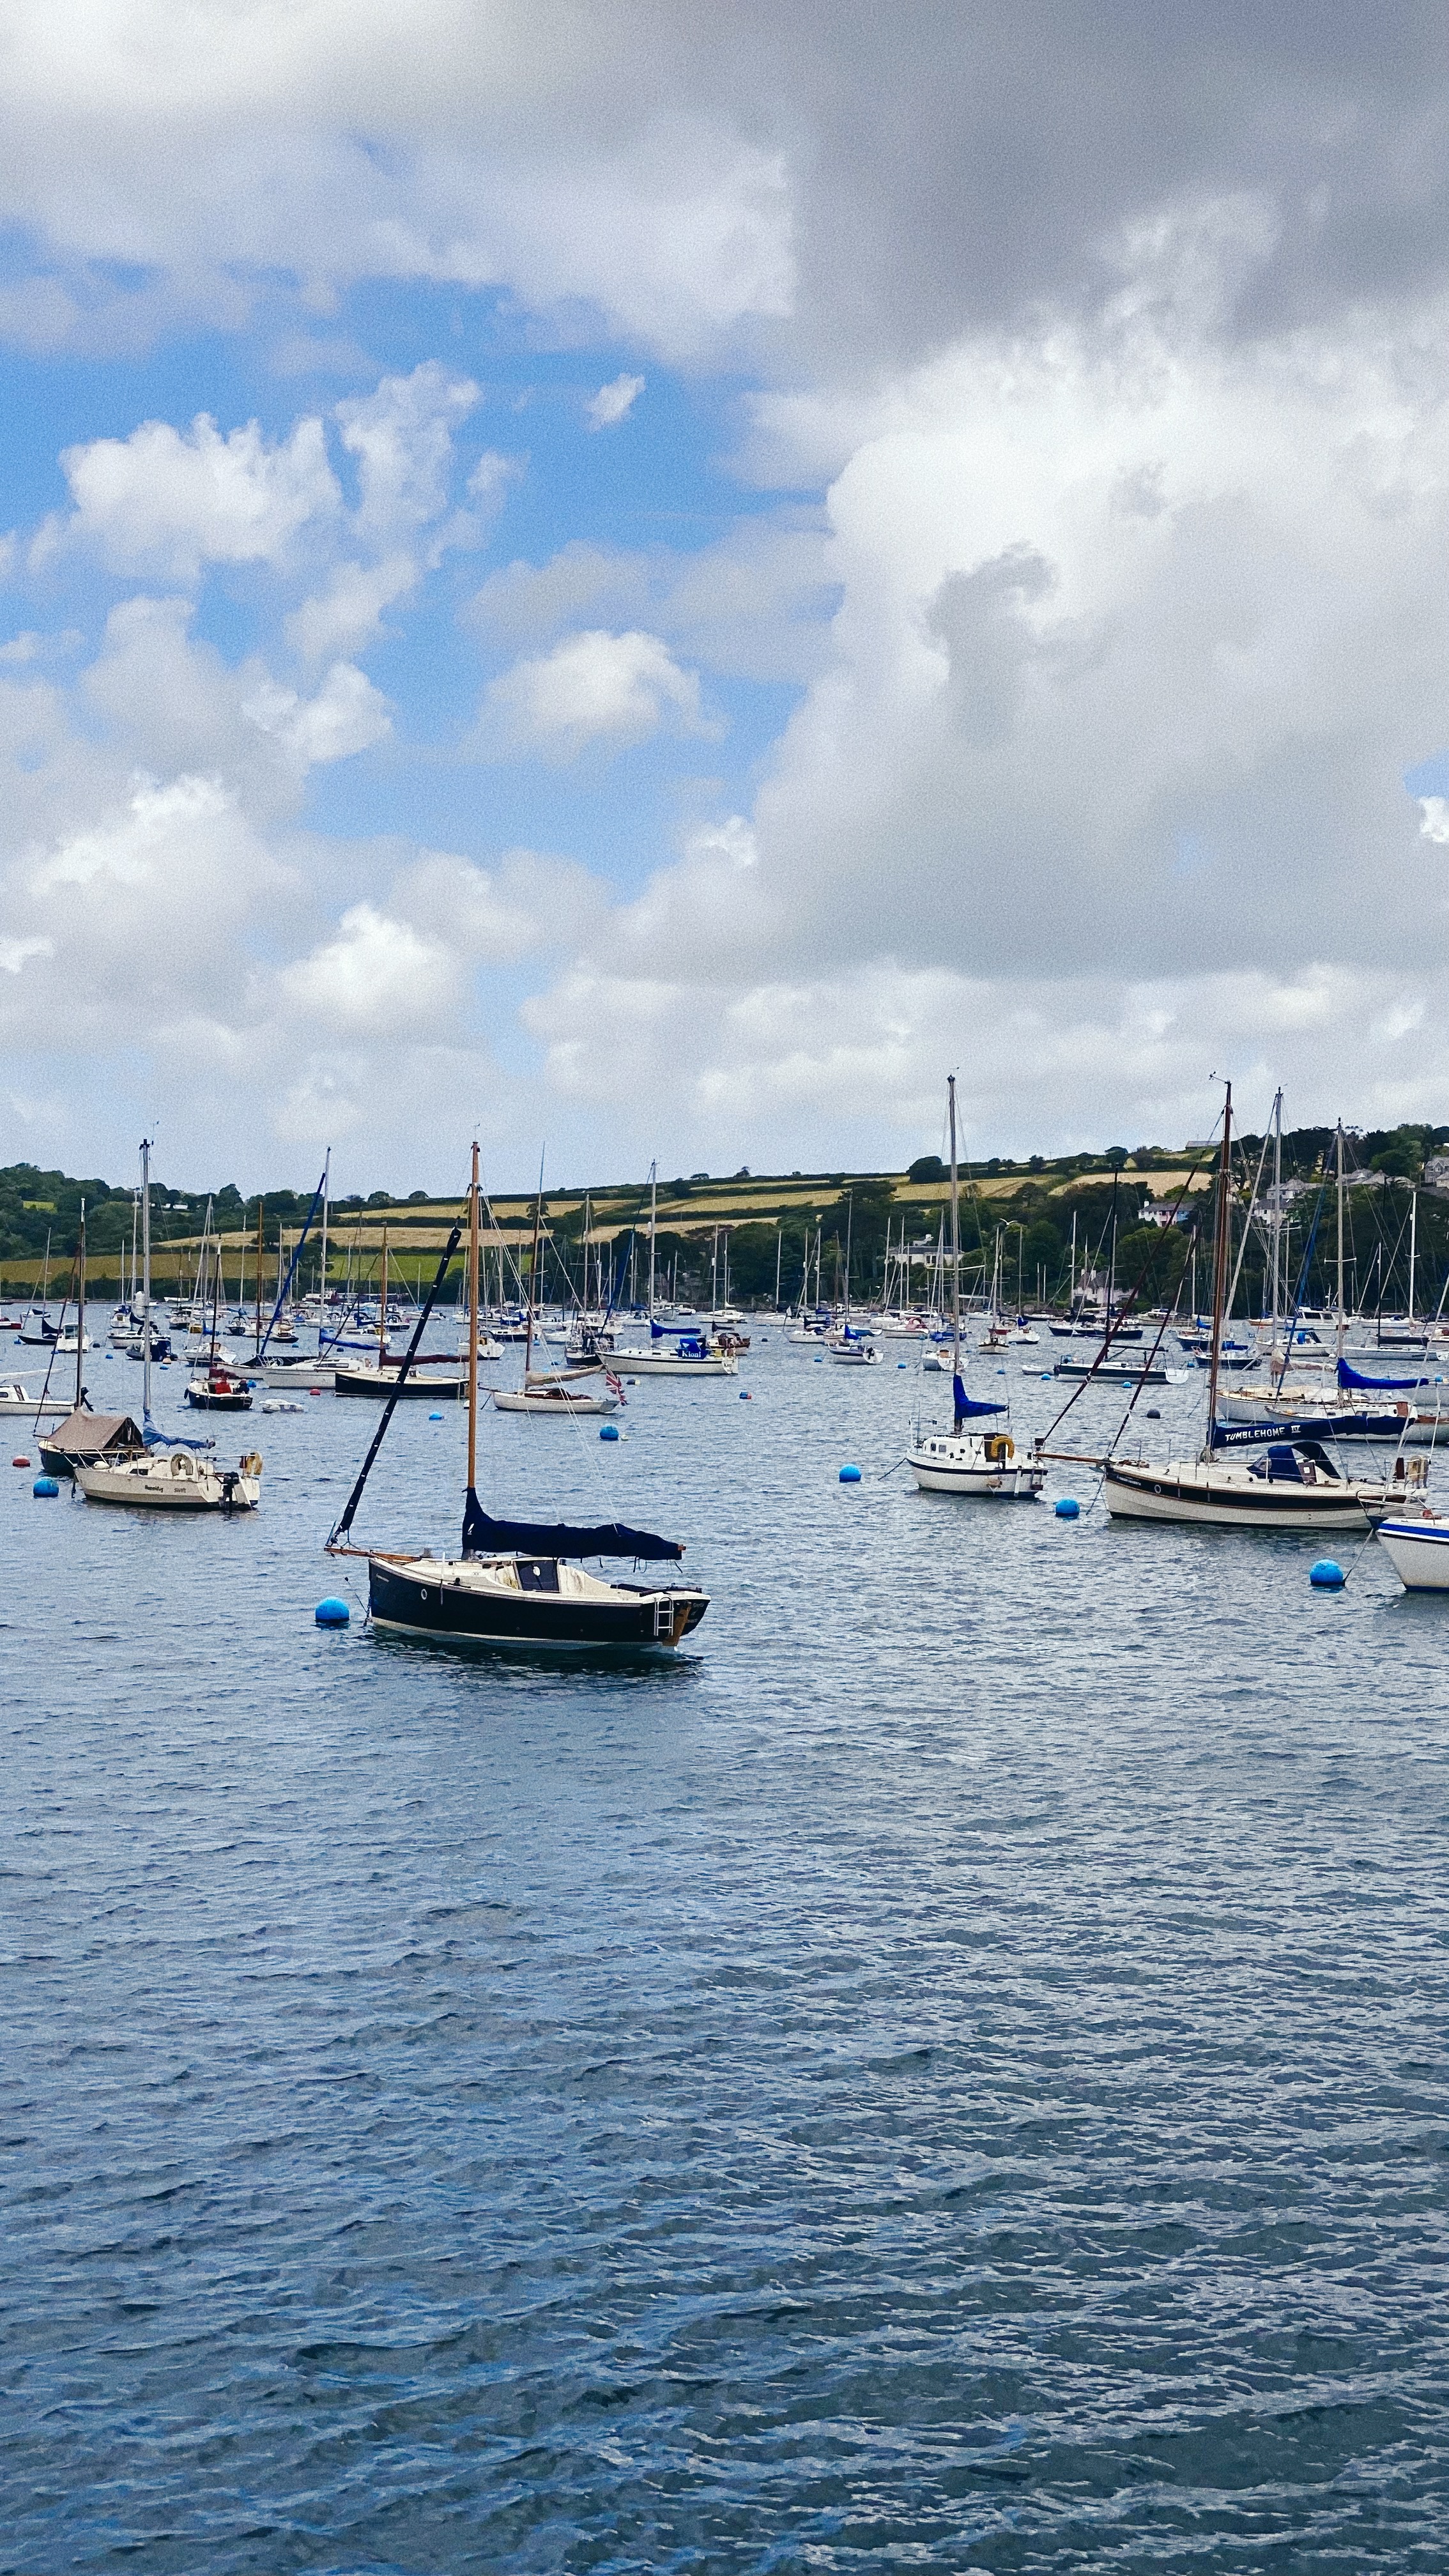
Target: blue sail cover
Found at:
1349, 1376
967, 1409
483, 1536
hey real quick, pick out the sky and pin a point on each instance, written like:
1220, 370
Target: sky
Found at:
645, 583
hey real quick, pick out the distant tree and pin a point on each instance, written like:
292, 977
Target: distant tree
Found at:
926, 1167
1117, 1155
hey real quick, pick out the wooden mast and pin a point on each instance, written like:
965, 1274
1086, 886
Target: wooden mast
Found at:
473, 1325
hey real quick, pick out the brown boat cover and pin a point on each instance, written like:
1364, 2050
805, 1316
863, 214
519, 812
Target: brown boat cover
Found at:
94, 1435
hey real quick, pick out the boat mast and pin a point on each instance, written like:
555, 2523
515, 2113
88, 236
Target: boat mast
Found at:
261, 1211
326, 1191
849, 1233
473, 1325
146, 1279
955, 1243
80, 1309
1413, 1245
382, 1309
778, 1246
1340, 1241
533, 1268
1277, 1211
653, 1215
1220, 1266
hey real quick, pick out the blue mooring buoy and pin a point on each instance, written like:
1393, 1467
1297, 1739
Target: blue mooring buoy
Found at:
608, 1431
850, 1475
332, 1614
1069, 1509
435, 1417
45, 1486
1325, 1576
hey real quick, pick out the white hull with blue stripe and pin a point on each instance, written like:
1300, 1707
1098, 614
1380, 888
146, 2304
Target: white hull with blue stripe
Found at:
1420, 1551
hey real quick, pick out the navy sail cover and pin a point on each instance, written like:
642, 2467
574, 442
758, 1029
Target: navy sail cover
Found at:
967, 1407
484, 1536
1350, 1376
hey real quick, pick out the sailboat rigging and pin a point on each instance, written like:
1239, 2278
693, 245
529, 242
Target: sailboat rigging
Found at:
978, 1463
516, 1583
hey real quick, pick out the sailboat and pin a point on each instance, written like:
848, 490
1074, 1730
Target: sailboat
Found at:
977, 1463
552, 1393
172, 1475
383, 1376
849, 1346
1294, 1486
517, 1583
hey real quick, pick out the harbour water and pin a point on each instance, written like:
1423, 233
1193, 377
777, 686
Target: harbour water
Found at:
948, 2076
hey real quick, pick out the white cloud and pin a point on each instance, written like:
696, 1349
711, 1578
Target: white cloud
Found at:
347, 614
592, 688
376, 977
613, 403
164, 500
347, 715
1435, 825
401, 436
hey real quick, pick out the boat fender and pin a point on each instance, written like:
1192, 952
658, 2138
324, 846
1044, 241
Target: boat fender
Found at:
332, 1614
1326, 1576
608, 1431
45, 1486
1069, 1509
850, 1475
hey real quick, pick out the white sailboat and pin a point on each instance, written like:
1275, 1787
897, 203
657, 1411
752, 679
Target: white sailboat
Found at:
982, 1464
553, 1393
173, 1475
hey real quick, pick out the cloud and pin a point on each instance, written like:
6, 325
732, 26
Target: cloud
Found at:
165, 501
376, 977
755, 605
347, 715
346, 615
613, 403
592, 688
401, 436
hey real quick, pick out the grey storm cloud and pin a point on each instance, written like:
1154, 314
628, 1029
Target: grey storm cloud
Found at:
847, 184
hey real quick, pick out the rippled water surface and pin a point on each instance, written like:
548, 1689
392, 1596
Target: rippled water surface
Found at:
950, 2076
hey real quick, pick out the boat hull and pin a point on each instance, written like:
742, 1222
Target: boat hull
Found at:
437, 1602
1020, 1484
1216, 1502
1420, 1553
509, 1400
383, 1383
175, 1484
643, 1364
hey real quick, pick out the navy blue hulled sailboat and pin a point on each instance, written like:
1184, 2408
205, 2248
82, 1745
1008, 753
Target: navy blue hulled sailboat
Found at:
518, 1583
